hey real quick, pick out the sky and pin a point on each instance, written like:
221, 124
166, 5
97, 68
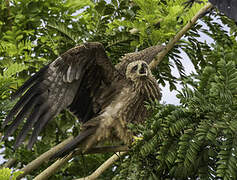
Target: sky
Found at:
169, 97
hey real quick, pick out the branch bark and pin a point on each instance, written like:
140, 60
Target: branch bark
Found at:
44, 157
103, 167
60, 162
53, 168
178, 36
9, 163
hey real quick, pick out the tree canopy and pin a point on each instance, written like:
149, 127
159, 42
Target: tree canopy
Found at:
194, 140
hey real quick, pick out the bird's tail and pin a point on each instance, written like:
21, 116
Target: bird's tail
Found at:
74, 143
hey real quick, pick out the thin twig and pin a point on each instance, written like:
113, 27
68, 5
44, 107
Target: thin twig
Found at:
179, 35
9, 163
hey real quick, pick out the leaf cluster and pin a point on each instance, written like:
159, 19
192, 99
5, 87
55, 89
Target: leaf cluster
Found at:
6, 174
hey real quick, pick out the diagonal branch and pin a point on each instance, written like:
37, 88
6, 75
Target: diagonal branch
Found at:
53, 168
43, 158
103, 167
179, 35
47, 155
9, 163
60, 162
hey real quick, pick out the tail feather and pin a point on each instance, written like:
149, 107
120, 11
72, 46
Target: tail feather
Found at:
38, 127
74, 143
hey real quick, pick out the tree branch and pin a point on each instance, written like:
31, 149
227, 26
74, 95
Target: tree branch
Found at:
60, 162
9, 163
53, 168
103, 167
179, 35
42, 158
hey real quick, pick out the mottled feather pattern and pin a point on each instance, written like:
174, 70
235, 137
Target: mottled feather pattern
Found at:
146, 55
37, 77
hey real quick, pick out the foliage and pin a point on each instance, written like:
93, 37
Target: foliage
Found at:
195, 139
6, 174
198, 138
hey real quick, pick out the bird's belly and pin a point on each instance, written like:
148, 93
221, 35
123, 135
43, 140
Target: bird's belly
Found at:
119, 104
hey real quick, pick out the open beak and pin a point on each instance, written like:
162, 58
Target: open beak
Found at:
143, 71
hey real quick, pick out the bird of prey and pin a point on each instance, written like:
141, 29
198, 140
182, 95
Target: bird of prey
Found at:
105, 98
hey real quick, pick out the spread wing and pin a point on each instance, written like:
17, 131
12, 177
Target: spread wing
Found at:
72, 80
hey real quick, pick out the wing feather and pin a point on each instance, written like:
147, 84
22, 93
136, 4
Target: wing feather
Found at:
21, 103
35, 78
69, 81
20, 116
228, 7
38, 110
38, 127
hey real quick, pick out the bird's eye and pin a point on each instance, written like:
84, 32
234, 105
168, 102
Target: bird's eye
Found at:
144, 65
134, 69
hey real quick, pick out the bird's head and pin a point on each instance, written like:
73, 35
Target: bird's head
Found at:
137, 70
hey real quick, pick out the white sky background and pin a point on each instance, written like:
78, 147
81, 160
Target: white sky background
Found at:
169, 97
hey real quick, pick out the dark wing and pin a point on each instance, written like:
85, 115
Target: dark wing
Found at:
70, 81
228, 7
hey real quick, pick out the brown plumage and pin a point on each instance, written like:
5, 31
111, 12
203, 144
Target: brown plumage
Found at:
103, 97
